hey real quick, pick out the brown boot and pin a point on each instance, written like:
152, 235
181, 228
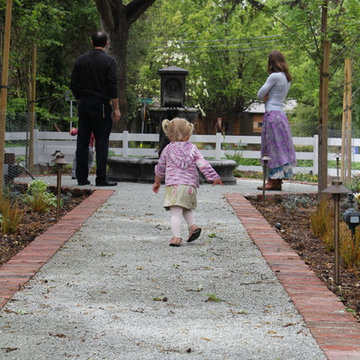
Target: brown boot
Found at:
272, 184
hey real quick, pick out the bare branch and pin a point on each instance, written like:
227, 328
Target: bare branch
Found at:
136, 8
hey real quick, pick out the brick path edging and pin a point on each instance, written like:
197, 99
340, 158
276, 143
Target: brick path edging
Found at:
15, 273
336, 331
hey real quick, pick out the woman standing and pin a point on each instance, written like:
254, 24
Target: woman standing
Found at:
276, 141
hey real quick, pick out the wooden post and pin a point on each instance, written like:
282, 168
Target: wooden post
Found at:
3, 89
323, 104
346, 124
343, 129
323, 120
32, 110
349, 118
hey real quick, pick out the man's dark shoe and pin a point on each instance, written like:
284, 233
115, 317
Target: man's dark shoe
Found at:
105, 183
85, 182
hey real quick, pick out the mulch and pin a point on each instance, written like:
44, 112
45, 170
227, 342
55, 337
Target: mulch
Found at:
293, 224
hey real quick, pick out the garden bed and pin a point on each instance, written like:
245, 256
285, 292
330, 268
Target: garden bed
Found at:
35, 223
292, 222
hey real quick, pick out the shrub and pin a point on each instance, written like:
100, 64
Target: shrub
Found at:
354, 183
11, 215
328, 240
305, 177
344, 237
321, 219
38, 198
296, 201
248, 174
350, 246
237, 157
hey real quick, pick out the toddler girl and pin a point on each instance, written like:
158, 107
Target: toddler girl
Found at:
178, 164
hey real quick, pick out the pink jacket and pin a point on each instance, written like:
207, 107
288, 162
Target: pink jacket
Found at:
75, 131
179, 163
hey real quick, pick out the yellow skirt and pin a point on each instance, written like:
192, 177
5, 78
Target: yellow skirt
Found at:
180, 195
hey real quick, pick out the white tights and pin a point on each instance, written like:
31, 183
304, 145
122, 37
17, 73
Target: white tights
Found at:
175, 222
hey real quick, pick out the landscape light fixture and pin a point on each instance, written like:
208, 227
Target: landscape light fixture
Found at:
59, 161
336, 189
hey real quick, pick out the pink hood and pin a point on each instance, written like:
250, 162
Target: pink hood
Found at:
182, 153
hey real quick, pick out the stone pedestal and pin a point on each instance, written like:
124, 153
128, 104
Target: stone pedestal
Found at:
135, 169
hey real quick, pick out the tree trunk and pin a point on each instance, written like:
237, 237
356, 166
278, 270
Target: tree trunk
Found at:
116, 19
118, 44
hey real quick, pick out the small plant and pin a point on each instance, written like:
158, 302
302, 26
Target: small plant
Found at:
354, 184
213, 297
296, 201
10, 217
38, 198
350, 246
305, 177
321, 219
237, 157
328, 240
248, 174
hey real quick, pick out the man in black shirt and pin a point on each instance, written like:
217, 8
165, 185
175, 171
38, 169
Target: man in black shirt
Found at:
94, 85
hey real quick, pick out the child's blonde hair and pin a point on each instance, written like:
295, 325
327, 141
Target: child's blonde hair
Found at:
177, 129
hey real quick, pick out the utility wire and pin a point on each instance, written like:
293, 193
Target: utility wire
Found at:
223, 40
351, 44
223, 45
227, 50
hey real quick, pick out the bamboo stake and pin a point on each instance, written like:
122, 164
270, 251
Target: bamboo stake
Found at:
3, 89
323, 121
32, 110
343, 128
323, 103
346, 124
349, 118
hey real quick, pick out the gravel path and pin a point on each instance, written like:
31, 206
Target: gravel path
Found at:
117, 291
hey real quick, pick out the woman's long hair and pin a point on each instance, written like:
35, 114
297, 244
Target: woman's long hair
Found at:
277, 63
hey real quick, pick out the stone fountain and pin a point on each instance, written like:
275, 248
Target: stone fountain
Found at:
172, 104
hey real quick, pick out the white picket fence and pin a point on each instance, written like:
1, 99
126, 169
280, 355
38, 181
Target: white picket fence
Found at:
212, 146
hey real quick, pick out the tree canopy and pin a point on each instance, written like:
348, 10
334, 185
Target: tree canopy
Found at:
61, 31
222, 43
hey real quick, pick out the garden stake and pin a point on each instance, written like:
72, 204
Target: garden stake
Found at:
265, 160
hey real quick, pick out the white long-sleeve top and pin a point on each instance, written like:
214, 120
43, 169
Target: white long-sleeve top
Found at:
277, 87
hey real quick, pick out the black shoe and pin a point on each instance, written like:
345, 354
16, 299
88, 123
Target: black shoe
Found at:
105, 183
85, 182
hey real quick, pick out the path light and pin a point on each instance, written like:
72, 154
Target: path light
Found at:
337, 166
351, 216
336, 189
59, 161
265, 160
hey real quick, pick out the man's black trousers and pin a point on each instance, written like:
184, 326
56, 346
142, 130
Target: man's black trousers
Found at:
94, 116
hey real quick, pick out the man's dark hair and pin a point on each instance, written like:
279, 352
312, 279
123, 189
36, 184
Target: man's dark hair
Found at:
99, 39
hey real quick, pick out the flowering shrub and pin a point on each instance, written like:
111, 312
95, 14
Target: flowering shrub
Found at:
357, 198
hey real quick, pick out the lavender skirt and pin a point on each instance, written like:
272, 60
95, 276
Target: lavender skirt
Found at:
276, 142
